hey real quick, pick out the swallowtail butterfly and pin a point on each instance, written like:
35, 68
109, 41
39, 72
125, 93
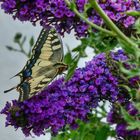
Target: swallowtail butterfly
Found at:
43, 66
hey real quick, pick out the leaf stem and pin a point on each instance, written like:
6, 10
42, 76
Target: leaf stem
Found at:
112, 26
80, 15
22, 49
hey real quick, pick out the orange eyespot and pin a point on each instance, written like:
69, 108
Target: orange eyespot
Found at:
103, 1
61, 69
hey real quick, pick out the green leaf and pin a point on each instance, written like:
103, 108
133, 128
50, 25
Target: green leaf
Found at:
77, 49
87, 7
31, 42
12, 49
68, 57
94, 129
133, 13
23, 41
134, 125
9, 48
83, 54
102, 133
17, 37
129, 73
137, 26
89, 136
126, 115
81, 50
72, 5
101, 42
72, 67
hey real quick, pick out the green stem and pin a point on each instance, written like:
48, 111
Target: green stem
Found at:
112, 26
22, 50
73, 8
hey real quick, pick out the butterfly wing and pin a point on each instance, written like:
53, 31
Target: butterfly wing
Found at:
40, 70
47, 50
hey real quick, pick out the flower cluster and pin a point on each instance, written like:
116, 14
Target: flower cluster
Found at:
56, 13
62, 103
115, 117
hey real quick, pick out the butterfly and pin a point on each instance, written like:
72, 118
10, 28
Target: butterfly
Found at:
43, 66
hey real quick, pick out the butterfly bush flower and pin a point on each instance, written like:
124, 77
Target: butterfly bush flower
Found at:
115, 117
56, 13
63, 102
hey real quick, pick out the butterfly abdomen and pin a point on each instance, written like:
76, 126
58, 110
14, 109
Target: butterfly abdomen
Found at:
24, 90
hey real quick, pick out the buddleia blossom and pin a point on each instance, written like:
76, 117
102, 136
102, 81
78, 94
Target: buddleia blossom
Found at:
115, 117
56, 13
62, 103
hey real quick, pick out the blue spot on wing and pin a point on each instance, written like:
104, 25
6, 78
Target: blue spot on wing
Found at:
27, 73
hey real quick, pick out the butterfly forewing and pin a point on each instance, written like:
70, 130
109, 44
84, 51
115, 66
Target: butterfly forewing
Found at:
44, 53
42, 67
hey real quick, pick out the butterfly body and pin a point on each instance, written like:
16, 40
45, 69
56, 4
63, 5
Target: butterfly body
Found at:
24, 90
43, 66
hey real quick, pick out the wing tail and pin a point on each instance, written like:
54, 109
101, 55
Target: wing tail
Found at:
10, 89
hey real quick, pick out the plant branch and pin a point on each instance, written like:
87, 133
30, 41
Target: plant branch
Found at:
80, 15
22, 49
113, 27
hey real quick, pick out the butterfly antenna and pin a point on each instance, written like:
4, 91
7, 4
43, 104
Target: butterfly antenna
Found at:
10, 89
18, 74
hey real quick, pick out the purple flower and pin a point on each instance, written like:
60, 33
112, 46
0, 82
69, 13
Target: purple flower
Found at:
9, 6
129, 21
56, 13
134, 81
62, 103
121, 130
115, 117
119, 56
